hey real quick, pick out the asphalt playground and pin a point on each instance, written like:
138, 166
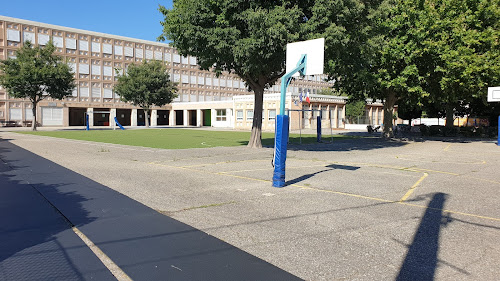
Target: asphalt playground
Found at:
357, 209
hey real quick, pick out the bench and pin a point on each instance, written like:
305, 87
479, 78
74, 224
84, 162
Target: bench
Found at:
5, 123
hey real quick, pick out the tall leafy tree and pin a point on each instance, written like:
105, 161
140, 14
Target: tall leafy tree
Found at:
354, 110
247, 38
146, 85
377, 55
462, 51
35, 74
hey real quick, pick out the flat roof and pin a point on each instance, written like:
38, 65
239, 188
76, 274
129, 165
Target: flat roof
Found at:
76, 30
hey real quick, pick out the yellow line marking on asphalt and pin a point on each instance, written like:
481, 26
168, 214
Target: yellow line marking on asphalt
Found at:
224, 162
267, 169
112, 267
409, 192
408, 158
391, 201
492, 181
335, 192
432, 171
450, 211
446, 148
343, 193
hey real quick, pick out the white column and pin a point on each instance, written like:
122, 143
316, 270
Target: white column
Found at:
335, 117
230, 117
185, 121
328, 117
112, 115
154, 117
213, 116
171, 117
90, 112
343, 115
133, 118
198, 118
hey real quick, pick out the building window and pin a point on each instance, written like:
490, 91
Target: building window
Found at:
324, 112
221, 115
249, 115
272, 114
239, 115
15, 113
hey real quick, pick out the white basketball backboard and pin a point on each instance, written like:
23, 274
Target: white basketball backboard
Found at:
493, 94
315, 51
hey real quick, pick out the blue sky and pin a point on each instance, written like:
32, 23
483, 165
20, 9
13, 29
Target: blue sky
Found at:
137, 19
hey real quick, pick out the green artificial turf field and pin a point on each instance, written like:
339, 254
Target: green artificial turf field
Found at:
173, 138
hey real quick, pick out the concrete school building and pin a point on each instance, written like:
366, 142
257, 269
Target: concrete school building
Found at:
203, 98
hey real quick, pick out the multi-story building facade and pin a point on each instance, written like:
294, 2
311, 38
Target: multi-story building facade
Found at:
97, 59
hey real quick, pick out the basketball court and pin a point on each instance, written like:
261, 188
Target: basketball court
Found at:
362, 209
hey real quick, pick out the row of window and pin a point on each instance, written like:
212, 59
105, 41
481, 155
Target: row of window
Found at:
98, 47
209, 81
271, 115
16, 114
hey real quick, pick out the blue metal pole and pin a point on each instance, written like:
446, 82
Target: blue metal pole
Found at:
287, 78
282, 122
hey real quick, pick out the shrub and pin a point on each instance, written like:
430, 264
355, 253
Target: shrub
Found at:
435, 130
492, 132
424, 130
450, 132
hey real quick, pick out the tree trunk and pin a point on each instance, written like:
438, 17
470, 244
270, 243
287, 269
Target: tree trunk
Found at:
256, 136
33, 109
390, 100
450, 110
146, 117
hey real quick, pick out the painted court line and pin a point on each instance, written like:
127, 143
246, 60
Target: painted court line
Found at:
112, 267
413, 188
333, 192
409, 158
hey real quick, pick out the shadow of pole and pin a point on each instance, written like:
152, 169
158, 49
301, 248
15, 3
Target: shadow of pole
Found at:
422, 257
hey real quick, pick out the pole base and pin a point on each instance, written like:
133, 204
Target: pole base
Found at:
280, 147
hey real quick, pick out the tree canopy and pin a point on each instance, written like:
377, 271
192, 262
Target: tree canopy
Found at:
35, 74
247, 38
461, 51
146, 85
442, 51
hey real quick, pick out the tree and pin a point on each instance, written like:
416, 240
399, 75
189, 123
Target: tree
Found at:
354, 109
408, 110
146, 85
462, 51
376, 55
35, 74
247, 38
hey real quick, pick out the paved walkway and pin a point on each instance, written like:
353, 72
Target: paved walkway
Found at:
355, 209
43, 206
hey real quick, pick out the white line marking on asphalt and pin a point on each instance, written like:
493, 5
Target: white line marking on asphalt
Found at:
112, 267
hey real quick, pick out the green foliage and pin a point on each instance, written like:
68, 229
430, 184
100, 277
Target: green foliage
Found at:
442, 51
374, 53
408, 110
354, 109
460, 51
244, 37
146, 85
36, 73
329, 92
